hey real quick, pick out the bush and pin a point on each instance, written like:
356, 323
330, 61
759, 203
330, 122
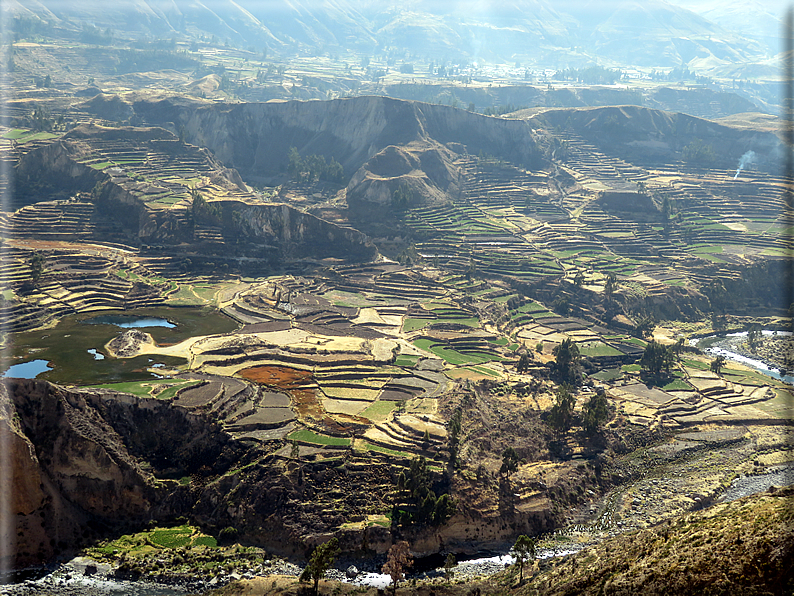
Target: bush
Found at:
227, 535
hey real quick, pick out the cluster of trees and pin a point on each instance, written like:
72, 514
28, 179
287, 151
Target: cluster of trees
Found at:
501, 110
313, 168
424, 508
45, 81
25, 28
595, 413
41, 119
95, 35
592, 75
698, 152
402, 197
567, 366
510, 461
204, 213
154, 59
657, 358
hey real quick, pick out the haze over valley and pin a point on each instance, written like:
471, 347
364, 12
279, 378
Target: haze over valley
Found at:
297, 286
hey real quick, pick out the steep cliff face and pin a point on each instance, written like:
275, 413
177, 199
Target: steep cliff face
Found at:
70, 470
126, 193
74, 464
81, 463
298, 234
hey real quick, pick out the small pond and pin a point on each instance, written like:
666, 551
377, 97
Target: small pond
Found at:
129, 321
74, 348
27, 370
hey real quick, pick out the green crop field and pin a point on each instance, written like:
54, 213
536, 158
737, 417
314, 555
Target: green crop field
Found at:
608, 374
308, 436
379, 410
677, 385
392, 452
408, 360
415, 324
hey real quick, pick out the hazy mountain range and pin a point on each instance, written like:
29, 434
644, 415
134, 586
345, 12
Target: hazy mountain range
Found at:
705, 35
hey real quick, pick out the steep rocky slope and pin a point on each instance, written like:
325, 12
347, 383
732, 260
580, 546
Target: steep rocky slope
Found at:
81, 462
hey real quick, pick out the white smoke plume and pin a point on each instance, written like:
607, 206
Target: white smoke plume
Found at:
745, 159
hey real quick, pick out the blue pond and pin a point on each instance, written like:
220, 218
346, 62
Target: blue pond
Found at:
129, 322
27, 370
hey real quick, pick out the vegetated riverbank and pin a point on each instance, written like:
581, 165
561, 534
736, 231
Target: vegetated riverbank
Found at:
773, 353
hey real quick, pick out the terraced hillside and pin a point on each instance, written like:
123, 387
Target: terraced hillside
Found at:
356, 385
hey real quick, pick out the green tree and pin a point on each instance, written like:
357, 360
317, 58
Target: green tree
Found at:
402, 197
294, 163
596, 413
611, 284
656, 358
320, 561
425, 508
36, 264
449, 564
718, 295
578, 279
203, 212
509, 462
523, 363
717, 364
523, 549
644, 327
398, 560
753, 336
567, 362
561, 414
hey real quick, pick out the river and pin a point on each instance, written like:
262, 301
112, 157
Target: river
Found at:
728, 345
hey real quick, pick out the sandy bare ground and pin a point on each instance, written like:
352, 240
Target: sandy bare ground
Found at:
380, 349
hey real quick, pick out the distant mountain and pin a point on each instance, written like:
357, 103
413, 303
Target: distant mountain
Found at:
541, 33
760, 19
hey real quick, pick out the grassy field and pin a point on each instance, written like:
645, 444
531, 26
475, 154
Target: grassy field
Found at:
392, 452
379, 410
142, 543
413, 324
308, 436
144, 388
407, 360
